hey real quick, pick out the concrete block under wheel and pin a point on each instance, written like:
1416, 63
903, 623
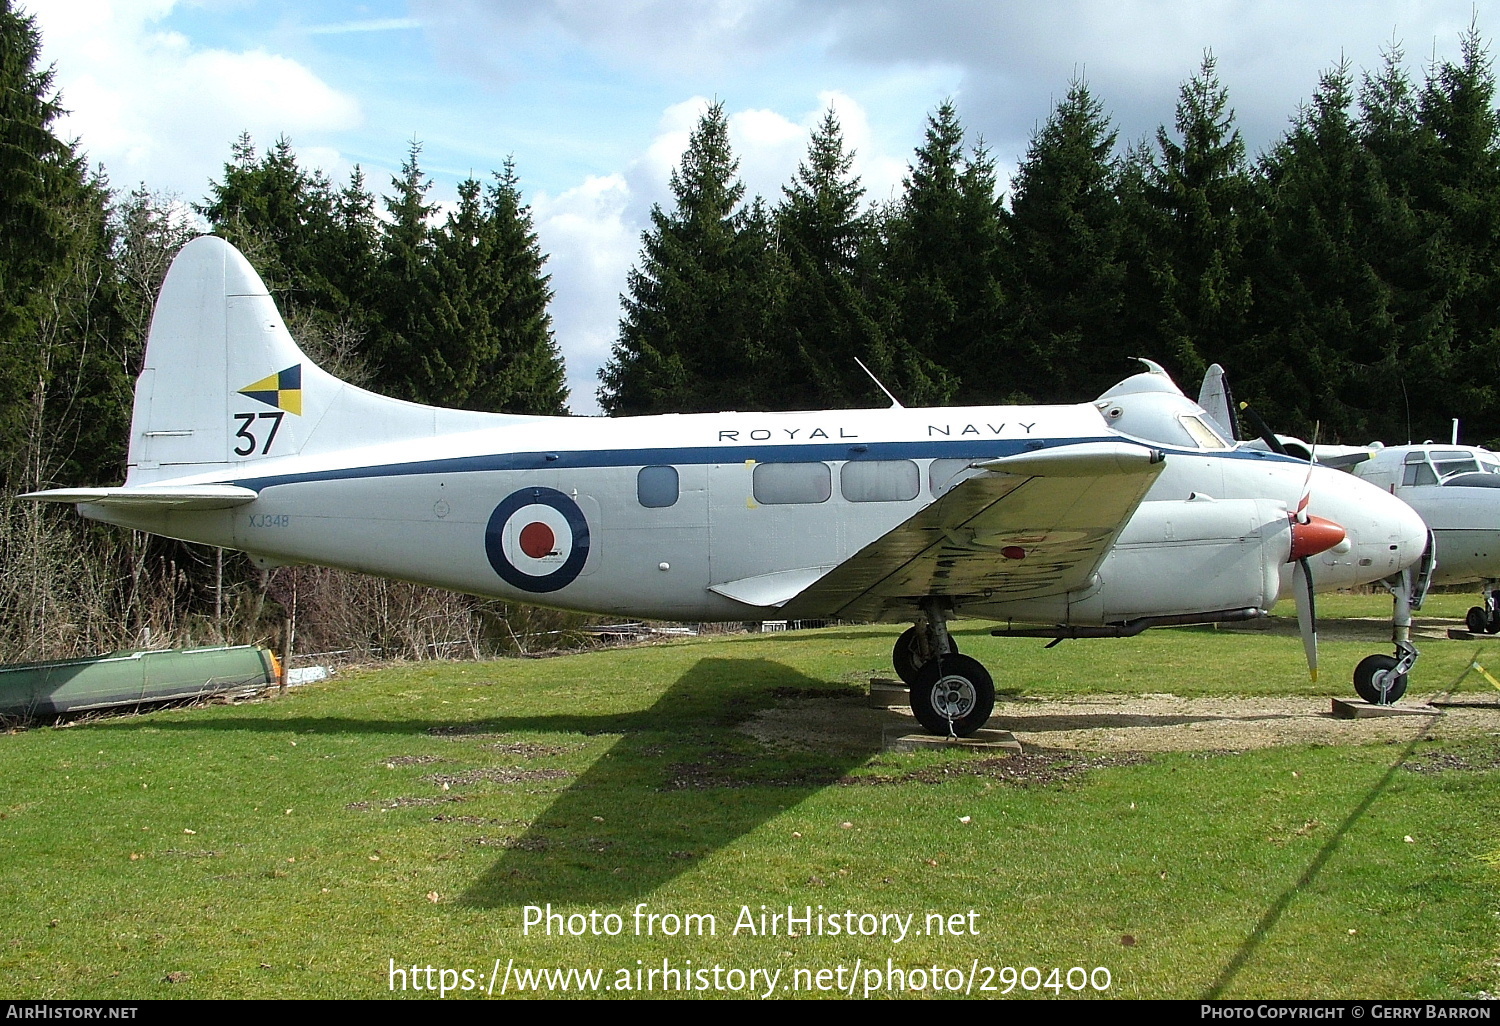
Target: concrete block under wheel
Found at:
899, 738
888, 694
1358, 709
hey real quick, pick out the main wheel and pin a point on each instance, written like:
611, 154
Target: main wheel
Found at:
1477, 621
909, 655
956, 691
1375, 682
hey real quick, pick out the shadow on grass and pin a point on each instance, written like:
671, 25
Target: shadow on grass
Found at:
668, 795
679, 784
1273, 914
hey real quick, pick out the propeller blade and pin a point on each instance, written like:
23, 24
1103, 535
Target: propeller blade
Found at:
1263, 429
1307, 616
1312, 458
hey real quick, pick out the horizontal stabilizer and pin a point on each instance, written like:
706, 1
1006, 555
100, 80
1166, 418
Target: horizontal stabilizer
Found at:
188, 497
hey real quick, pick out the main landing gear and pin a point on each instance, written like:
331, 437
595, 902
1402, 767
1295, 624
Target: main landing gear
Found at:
1486, 619
951, 694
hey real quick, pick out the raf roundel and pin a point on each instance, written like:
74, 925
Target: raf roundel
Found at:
537, 540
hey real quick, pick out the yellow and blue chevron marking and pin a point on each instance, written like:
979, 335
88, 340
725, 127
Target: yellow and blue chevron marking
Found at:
283, 390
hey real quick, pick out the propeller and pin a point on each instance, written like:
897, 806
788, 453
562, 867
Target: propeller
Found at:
1263, 429
1310, 536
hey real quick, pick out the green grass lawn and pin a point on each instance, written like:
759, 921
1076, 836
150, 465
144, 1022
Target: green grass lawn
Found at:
408, 816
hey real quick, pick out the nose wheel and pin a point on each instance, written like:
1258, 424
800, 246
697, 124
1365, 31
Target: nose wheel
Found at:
1379, 680
1382, 679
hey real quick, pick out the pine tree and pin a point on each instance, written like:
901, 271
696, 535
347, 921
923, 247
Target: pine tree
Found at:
36, 170
940, 273
1404, 249
528, 376
1200, 188
63, 378
491, 336
403, 365
346, 254
829, 317
693, 334
1458, 191
279, 216
1326, 316
1065, 273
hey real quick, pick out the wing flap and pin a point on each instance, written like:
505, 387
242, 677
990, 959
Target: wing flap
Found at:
770, 589
1032, 525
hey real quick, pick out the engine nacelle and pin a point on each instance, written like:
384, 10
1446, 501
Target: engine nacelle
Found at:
1174, 558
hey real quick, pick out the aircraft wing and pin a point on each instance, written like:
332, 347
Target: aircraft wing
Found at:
1343, 457
1034, 524
189, 497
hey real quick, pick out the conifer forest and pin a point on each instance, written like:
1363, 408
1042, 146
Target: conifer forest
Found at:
1348, 277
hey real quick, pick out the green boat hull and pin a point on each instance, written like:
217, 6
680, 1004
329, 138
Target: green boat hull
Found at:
131, 678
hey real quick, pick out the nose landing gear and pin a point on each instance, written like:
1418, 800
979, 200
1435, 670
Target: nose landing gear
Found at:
1382, 679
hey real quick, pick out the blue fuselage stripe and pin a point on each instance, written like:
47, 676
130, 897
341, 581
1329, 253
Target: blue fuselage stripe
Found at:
582, 459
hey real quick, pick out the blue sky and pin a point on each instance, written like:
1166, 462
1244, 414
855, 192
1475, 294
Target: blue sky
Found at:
595, 100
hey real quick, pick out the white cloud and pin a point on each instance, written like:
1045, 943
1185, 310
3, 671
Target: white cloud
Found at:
153, 107
591, 247
769, 147
674, 37
592, 232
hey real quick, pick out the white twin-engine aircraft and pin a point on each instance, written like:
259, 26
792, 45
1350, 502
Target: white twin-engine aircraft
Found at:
1093, 520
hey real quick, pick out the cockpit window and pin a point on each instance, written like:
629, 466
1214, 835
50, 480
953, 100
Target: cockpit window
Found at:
1444, 464
1452, 462
1204, 436
1159, 416
1419, 474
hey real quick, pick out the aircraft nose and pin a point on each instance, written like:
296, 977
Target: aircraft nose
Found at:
1412, 532
1385, 534
1401, 534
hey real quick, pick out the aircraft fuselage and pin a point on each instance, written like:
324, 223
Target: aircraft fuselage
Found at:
648, 516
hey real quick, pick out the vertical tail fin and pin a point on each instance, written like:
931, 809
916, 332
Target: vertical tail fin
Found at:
224, 384
1217, 402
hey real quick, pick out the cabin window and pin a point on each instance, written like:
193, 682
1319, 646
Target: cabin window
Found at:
656, 487
944, 475
782, 483
880, 481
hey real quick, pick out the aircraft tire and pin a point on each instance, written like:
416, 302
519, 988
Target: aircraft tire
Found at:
1477, 621
1371, 675
906, 658
955, 689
